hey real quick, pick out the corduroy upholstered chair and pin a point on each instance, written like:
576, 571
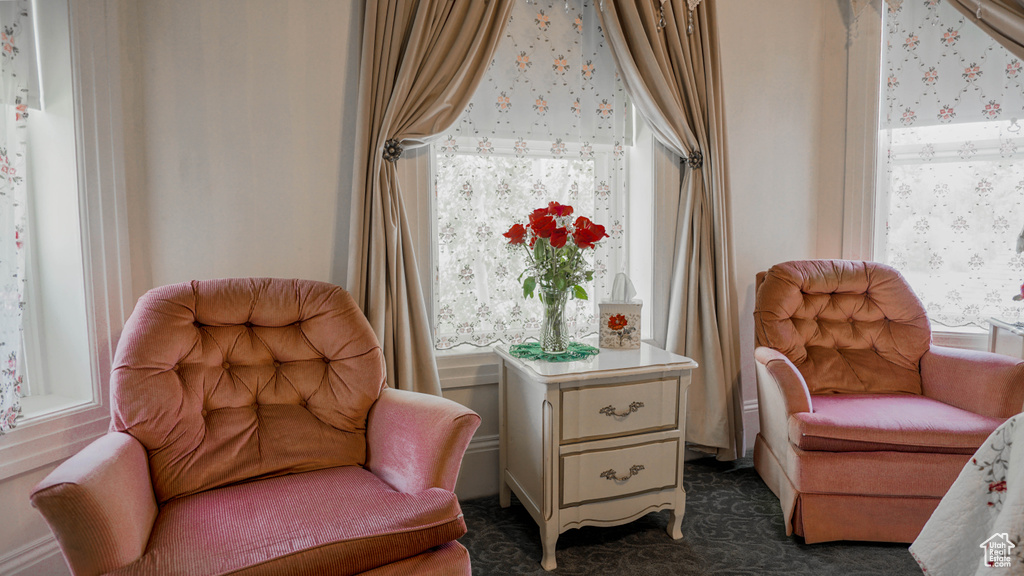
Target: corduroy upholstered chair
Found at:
864, 423
252, 432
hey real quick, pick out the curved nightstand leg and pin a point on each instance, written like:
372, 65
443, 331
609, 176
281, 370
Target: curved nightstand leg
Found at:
675, 525
675, 521
548, 538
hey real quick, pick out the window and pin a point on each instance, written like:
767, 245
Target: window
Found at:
951, 166
87, 166
548, 123
56, 324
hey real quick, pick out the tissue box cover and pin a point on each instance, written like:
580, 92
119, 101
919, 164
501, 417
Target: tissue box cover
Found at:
620, 324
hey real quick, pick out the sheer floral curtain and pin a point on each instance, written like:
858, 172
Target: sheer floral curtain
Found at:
954, 162
548, 123
16, 63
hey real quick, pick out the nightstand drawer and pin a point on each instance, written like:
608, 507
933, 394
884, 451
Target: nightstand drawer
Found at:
607, 411
617, 472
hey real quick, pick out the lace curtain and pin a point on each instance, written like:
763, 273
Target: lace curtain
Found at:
16, 67
954, 163
548, 123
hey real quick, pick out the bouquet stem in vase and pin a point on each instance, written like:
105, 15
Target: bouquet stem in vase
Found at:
553, 334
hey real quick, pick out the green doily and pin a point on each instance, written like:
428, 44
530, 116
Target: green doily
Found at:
532, 351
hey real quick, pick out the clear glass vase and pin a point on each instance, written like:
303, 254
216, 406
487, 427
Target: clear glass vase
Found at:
554, 338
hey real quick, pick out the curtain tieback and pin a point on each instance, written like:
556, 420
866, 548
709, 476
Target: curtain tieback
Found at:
392, 150
691, 5
695, 160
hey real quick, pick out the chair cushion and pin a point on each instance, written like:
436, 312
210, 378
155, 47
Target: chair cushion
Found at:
227, 380
333, 521
889, 422
848, 326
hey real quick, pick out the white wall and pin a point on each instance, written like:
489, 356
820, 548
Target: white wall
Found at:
784, 76
27, 547
242, 156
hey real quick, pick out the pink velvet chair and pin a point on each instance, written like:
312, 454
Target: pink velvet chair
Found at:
253, 433
864, 423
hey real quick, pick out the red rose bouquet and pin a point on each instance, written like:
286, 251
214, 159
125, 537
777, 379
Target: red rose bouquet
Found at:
555, 248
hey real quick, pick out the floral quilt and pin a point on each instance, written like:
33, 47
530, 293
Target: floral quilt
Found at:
978, 525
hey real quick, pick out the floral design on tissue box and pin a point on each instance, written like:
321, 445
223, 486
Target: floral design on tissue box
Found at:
620, 325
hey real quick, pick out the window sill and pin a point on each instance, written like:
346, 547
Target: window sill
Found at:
461, 352
60, 428
36, 407
471, 366
966, 337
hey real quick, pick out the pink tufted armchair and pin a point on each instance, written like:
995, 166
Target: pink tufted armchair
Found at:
864, 424
252, 432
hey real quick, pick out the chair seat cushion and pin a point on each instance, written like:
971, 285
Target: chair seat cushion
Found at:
335, 521
890, 422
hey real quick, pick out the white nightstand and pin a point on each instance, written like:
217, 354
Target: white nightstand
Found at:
595, 442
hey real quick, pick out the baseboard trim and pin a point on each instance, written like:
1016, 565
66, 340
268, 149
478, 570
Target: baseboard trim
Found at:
751, 422
483, 444
28, 555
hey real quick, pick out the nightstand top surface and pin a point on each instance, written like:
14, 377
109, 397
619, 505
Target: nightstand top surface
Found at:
645, 360
1017, 329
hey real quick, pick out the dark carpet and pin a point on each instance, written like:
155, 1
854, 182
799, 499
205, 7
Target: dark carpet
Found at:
733, 526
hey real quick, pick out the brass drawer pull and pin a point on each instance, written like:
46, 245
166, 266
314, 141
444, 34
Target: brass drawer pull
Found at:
610, 410
610, 474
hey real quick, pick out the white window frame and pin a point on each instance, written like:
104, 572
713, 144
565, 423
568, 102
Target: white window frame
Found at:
864, 65
653, 197
863, 221
42, 439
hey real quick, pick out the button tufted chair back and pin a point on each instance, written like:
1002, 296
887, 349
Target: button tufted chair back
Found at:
230, 380
848, 326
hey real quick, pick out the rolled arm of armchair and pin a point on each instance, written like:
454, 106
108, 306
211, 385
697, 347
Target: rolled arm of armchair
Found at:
416, 441
100, 504
776, 371
980, 382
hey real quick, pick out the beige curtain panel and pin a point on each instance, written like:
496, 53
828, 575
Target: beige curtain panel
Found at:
421, 62
671, 70
1000, 19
